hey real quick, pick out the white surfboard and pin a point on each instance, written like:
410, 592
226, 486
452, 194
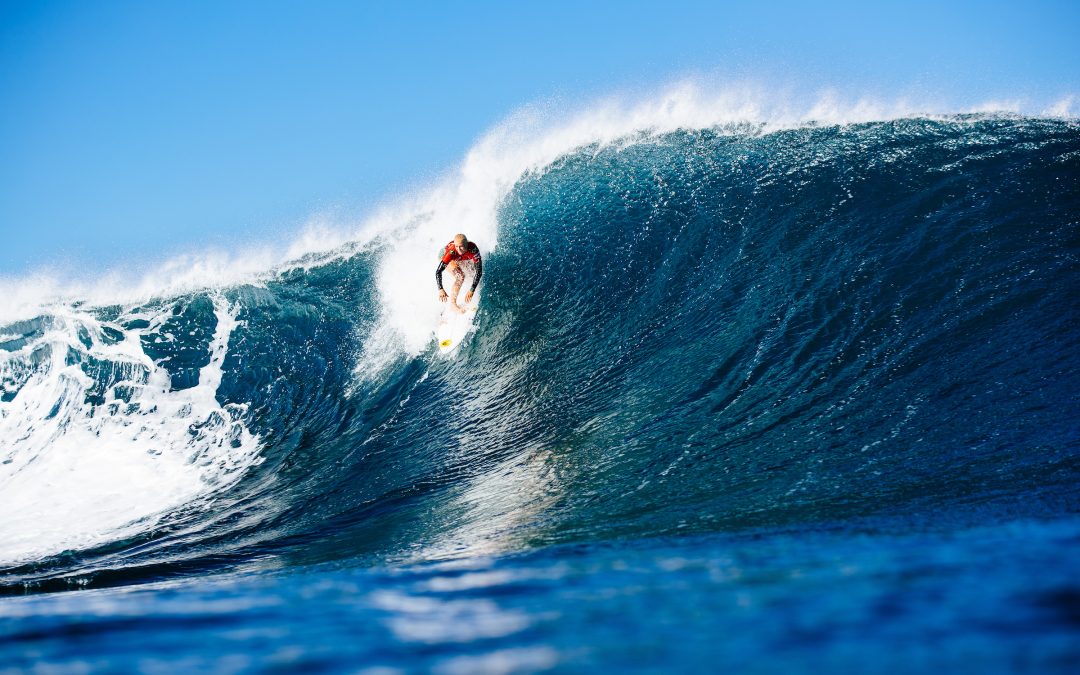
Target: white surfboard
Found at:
454, 325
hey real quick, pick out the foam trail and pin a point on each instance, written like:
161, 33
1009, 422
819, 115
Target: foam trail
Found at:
85, 474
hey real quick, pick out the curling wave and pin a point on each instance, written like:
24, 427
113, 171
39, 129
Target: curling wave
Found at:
682, 330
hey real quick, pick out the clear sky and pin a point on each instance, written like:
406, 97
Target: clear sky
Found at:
134, 130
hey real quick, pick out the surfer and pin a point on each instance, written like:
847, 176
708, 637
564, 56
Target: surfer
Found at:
460, 255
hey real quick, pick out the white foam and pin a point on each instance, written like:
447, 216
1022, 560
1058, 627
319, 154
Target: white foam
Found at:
1062, 108
74, 475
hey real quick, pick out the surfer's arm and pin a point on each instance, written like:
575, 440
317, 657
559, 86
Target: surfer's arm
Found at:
479, 273
439, 281
439, 273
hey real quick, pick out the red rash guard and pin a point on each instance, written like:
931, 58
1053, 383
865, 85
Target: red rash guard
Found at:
472, 252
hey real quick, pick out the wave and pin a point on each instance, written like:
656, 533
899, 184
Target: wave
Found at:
689, 324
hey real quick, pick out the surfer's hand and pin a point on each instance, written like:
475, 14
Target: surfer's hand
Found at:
468, 297
442, 295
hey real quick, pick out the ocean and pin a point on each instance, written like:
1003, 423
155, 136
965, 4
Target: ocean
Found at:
738, 397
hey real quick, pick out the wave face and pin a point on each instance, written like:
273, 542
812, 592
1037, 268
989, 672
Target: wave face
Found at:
694, 332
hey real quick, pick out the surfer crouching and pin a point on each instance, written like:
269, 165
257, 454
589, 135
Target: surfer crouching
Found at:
460, 255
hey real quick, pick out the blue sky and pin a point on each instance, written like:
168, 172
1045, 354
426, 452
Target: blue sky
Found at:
130, 131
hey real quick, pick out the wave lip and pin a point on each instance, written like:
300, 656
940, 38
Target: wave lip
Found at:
471, 194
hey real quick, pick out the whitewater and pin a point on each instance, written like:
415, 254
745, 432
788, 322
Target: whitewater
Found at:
751, 386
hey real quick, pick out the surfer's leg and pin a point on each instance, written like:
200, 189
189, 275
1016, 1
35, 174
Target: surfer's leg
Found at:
466, 268
459, 278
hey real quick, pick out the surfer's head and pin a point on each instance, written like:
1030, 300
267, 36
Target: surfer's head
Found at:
460, 241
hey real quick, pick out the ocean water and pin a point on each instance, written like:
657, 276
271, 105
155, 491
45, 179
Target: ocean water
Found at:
742, 397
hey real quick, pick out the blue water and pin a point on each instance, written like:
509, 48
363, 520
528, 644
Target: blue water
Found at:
762, 402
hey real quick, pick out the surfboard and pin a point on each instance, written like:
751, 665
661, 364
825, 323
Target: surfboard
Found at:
454, 325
